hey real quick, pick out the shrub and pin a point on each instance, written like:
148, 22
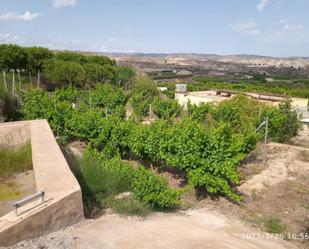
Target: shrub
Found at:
101, 181
283, 122
36, 105
108, 97
154, 191
84, 124
143, 94
199, 112
96, 73
65, 72
167, 108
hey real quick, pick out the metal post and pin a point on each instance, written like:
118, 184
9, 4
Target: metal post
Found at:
150, 112
89, 98
30, 78
38, 80
4, 82
265, 136
260, 113
19, 82
265, 141
13, 84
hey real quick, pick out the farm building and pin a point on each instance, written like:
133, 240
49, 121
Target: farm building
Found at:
216, 96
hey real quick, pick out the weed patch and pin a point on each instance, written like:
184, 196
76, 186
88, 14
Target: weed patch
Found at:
273, 224
15, 160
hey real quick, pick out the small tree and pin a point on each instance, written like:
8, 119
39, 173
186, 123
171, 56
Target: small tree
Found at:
69, 73
124, 76
37, 56
13, 57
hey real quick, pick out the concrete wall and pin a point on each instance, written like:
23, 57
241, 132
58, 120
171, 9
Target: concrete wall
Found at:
63, 200
195, 98
14, 134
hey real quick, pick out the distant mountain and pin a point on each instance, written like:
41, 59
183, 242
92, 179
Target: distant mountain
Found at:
194, 58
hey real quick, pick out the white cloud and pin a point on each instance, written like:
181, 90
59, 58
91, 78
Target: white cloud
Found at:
63, 3
248, 27
27, 16
9, 38
262, 4
288, 33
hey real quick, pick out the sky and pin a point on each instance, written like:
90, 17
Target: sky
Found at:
263, 27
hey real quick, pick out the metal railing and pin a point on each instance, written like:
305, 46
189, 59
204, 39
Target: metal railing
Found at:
28, 199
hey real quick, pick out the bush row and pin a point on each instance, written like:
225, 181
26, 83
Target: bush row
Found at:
64, 68
207, 145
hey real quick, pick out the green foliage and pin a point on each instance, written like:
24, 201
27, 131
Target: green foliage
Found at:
107, 96
84, 123
69, 73
69, 94
283, 122
15, 159
207, 152
166, 108
37, 56
124, 76
13, 57
100, 60
96, 73
154, 191
199, 112
274, 224
69, 56
143, 94
291, 88
64, 68
101, 180
36, 105
242, 115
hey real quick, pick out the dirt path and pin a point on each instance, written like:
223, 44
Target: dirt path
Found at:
190, 229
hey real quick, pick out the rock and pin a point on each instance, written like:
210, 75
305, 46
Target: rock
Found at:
124, 195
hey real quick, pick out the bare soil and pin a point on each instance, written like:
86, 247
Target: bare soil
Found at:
186, 230
302, 139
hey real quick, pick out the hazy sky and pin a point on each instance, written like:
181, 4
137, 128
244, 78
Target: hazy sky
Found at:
265, 27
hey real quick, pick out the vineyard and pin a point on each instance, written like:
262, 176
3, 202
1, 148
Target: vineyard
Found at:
205, 144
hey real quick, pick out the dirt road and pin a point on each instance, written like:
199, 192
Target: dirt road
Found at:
187, 230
